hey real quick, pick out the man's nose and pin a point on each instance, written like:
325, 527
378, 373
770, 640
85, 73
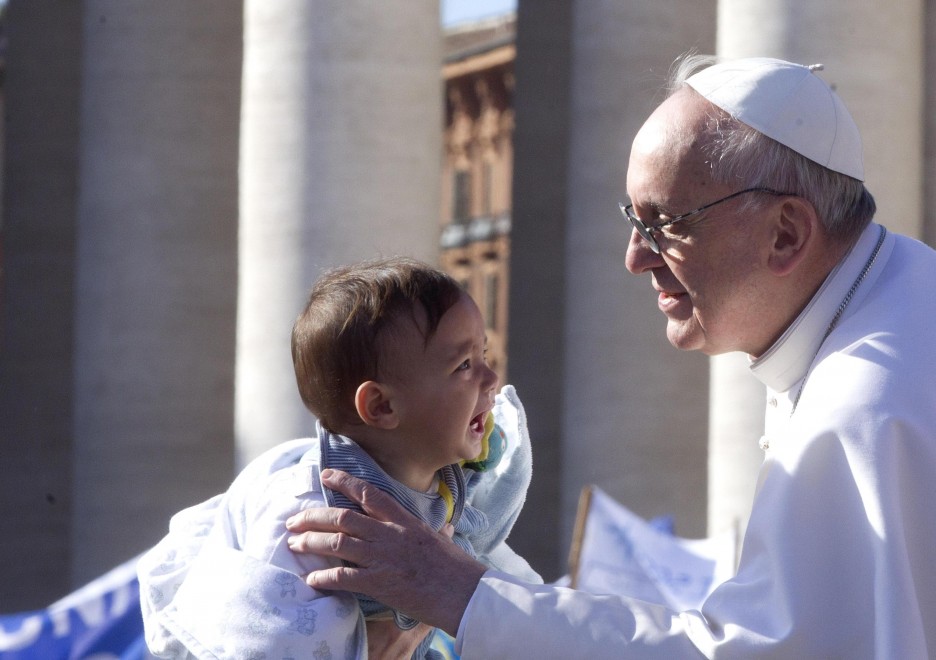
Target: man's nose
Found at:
639, 258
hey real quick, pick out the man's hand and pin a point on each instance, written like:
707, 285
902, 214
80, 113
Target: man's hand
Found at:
399, 560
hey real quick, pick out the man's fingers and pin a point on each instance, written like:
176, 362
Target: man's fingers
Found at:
339, 578
330, 544
376, 503
329, 519
390, 552
344, 533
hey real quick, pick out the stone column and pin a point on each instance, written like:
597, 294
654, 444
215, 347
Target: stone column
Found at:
340, 160
41, 90
611, 402
874, 60
537, 266
156, 270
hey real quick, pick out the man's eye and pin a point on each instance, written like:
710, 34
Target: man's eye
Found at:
678, 229
659, 219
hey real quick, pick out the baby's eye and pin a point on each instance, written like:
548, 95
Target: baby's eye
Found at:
464, 365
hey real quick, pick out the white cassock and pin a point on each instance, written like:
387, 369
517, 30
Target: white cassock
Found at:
837, 561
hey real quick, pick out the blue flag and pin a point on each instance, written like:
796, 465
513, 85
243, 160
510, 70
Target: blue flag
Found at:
101, 620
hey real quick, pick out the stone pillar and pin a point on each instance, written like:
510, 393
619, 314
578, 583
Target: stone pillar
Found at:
873, 59
156, 270
610, 401
41, 90
876, 67
538, 265
340, 160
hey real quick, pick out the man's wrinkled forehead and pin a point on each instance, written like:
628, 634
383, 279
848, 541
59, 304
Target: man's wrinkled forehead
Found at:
676, 123
672, 137
653, 135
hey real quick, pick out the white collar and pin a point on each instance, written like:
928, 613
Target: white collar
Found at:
787, 361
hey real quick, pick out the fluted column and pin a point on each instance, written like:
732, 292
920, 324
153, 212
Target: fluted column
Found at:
340, 160
874, 59
156, 270
41, 89
615, 404
635, 406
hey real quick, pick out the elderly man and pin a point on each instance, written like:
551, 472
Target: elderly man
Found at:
750, 216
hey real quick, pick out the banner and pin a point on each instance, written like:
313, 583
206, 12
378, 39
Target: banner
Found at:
100, 621
617, 552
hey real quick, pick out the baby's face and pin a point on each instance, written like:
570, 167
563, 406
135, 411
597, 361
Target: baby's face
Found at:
444, 389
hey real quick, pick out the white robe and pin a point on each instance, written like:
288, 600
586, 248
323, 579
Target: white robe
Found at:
837, 561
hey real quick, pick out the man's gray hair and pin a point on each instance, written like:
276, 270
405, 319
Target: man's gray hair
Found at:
738, 154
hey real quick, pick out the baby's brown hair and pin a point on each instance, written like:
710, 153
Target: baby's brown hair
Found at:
336, 340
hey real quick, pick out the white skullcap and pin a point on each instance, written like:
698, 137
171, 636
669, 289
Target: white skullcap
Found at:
789, 103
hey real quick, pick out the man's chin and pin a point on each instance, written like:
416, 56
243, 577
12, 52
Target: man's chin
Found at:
683, 338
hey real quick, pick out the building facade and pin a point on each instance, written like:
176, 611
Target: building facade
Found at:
477, 170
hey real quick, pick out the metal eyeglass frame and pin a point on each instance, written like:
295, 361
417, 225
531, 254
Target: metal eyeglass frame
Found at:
647, 233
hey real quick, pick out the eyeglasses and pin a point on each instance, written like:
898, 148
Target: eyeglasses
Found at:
647, 232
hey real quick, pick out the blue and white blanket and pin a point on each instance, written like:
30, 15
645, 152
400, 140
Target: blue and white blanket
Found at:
224, 584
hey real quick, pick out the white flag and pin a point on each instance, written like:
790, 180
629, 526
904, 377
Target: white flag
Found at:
617, 552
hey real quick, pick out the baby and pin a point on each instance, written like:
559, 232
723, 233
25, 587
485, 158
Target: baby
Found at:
389, 356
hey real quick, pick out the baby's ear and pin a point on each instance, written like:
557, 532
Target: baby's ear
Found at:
372, 402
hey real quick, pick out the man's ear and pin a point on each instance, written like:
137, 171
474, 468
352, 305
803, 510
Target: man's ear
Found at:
794, 230
373, 404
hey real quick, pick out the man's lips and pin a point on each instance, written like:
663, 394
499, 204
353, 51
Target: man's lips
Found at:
663, 289
671, 294
667, 299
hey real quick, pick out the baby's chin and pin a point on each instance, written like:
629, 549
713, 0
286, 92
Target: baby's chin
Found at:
471, 451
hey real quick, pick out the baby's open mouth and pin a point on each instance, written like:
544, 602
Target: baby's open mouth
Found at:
477, 422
